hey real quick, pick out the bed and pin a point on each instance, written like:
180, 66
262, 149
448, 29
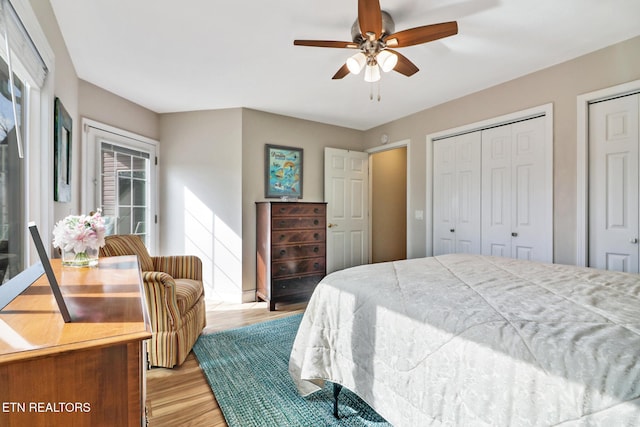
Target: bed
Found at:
471, 340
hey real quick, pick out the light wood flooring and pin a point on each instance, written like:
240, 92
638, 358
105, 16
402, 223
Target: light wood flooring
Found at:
181, 396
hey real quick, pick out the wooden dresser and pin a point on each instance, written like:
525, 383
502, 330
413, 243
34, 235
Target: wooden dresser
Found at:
291, 250
90, 372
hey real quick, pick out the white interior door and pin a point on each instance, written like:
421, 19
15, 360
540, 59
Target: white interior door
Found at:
346, 193
496, 191
456, 193
515, 202
613, 184
530, 222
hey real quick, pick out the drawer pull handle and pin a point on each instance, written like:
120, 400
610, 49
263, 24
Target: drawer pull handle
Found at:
282, 223
283, 252
283, 210
282, 237
316, 222
316, 210
316, 265
316, 249
283, 268
316, 236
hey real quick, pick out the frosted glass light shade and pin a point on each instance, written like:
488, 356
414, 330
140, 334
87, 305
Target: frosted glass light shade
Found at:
356, 63
387, 60
372, 73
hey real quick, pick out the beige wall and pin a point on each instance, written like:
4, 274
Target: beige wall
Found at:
65, 88
211, 163
201, 181
103, 106
560, 85
258, 129
82, 99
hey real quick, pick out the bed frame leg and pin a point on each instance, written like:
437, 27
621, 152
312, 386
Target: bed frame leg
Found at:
336, 391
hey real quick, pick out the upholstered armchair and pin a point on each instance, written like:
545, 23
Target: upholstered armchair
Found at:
174, 295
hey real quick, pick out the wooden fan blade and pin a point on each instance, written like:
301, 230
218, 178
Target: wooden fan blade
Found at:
404, 66
325, 43
343, 71
370, 17
422, 34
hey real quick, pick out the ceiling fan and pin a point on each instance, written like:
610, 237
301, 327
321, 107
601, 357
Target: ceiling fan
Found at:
373, 35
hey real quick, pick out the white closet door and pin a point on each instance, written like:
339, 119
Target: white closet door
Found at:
515, 187
456, 194
530, 227
496, 191
613, 184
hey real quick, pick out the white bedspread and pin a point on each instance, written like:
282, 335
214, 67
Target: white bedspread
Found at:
468, 340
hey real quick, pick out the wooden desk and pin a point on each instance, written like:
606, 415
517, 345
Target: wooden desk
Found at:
90, 372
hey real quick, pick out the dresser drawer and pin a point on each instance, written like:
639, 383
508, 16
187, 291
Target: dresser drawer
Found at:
298, 288
284, 223
279, 253
297, 236
285, 209
306, 266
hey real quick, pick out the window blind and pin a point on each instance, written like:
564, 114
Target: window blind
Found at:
21, 44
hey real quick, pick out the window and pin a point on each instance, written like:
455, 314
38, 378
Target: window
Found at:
125, 179
11, 182
20, 148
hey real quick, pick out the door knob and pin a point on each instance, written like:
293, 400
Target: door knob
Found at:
633, 240
514, 234
332, 225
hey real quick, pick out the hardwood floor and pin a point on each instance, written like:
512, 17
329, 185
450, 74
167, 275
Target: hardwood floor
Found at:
181, 396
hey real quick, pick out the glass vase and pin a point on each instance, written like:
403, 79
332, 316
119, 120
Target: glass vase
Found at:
86, 258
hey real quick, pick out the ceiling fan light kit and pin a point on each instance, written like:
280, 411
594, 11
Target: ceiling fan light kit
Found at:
372, 73
373, 33
356, 63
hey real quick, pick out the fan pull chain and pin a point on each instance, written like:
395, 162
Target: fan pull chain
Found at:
371, 91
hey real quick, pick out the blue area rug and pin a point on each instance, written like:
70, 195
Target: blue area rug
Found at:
247, 369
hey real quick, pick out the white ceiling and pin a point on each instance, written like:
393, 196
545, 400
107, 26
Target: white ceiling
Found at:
172, 56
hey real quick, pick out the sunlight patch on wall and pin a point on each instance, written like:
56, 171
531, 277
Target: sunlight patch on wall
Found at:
227, 273
207, 236
198, 234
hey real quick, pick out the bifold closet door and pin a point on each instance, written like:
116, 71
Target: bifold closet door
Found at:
514, 202
456, 194
613, 184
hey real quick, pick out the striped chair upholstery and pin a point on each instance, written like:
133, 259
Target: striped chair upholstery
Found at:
175, 299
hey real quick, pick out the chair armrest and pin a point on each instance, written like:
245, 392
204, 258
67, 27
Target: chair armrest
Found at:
160, 292
179, 266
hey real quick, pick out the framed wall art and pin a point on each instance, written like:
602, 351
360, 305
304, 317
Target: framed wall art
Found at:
62, 153
283, 172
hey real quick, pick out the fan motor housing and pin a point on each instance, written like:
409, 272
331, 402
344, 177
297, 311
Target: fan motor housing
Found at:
388, 27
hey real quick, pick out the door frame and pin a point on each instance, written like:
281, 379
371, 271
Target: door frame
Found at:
406, 143
582, 161
89, 166
545, 110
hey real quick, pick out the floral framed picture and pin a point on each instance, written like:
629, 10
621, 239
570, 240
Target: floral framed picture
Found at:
283, 172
